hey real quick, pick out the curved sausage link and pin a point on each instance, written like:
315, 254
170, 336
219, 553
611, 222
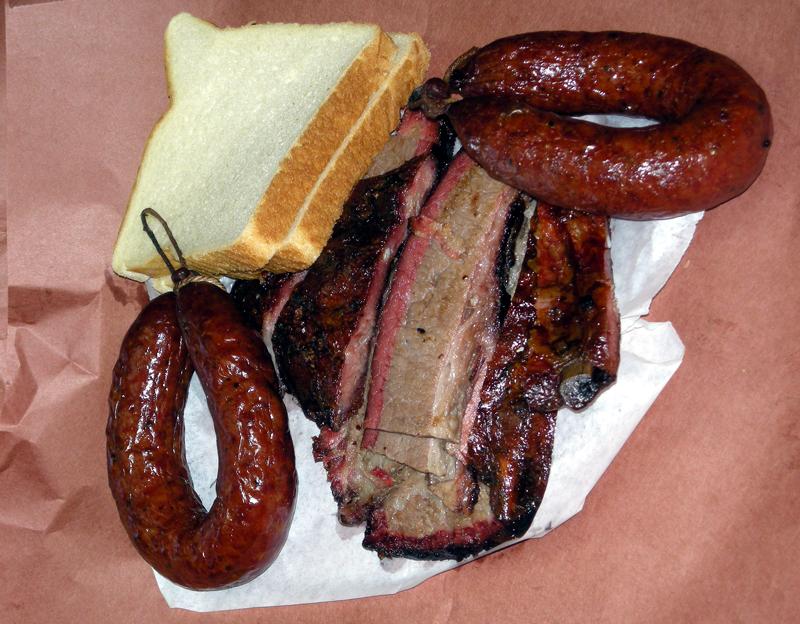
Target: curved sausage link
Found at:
711, 144
248, 522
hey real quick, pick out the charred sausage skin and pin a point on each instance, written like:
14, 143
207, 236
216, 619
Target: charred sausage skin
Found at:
247, 524
711, 144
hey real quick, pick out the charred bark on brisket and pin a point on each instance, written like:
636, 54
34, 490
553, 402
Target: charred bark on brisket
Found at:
324, 333
261, 300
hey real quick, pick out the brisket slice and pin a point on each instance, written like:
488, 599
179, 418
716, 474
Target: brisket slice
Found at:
416, 135
574, 323
261, 301
559, 343
440, 318
323, 336
323, 340
358, 477
437, 331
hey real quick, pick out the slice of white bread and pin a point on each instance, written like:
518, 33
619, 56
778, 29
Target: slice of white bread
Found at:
323, 206
256, 114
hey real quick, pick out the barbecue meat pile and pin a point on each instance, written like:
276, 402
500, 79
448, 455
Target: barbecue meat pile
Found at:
323, 335
435, 388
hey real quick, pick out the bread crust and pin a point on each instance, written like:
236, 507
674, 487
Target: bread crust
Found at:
351, 162
296, 175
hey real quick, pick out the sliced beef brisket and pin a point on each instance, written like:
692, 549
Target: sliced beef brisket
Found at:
437, 331
450, 452
561, 319
262, 300
416, 135
440, 316
323, 336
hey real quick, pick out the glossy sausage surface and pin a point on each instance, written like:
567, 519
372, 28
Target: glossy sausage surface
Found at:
247, 524
711, 144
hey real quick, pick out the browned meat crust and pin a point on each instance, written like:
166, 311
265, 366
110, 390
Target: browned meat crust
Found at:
261, 300
443, 544
559, 343
323, 335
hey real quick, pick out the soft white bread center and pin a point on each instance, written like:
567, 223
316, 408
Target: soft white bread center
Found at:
240, 98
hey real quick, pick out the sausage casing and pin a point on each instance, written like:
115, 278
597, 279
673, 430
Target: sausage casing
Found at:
709, 147
242, 532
